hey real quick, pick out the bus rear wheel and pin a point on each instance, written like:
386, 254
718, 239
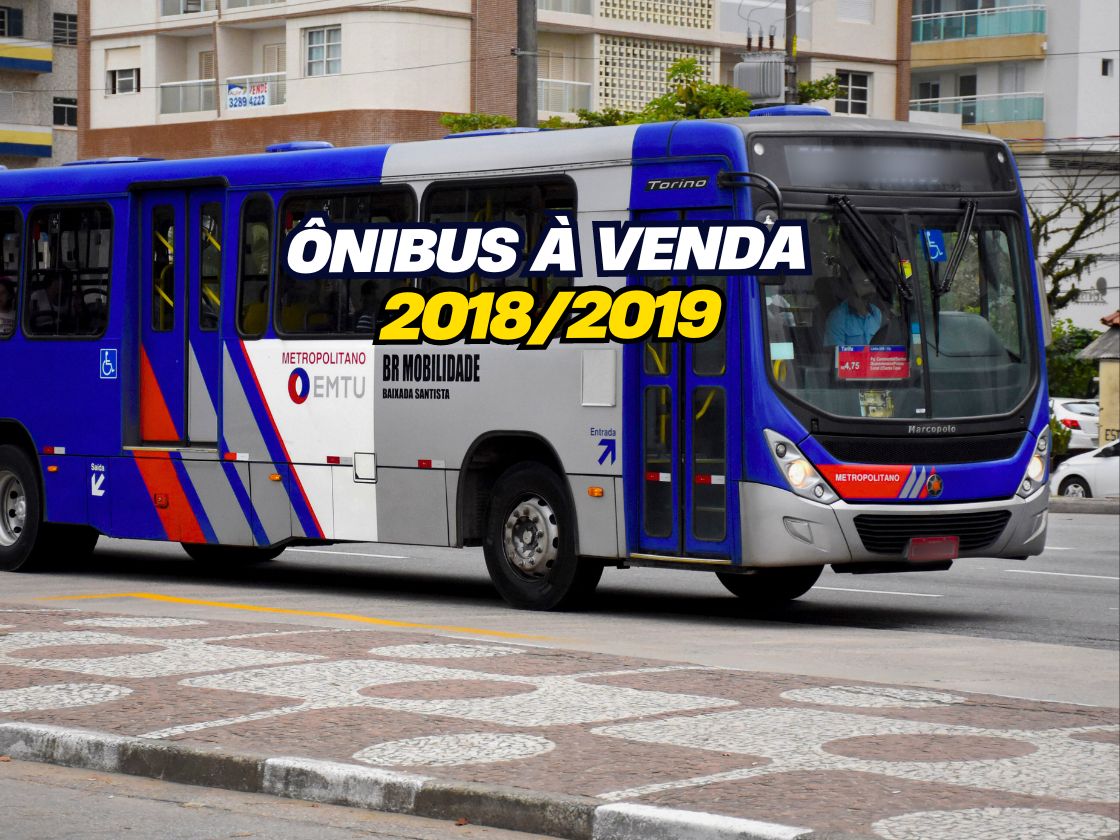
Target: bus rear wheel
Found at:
530, 542
771, 587
20, 514
230, 556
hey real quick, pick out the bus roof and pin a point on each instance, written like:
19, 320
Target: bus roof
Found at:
459, 155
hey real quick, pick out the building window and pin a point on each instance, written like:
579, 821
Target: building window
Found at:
65, 30
1106, 66
124, 81
852, 98
66, 112
11, 22
324, 51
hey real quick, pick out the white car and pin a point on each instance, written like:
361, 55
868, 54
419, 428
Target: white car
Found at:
1081, 417
1095, 473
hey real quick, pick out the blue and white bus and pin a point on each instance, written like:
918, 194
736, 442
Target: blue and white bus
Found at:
164, 378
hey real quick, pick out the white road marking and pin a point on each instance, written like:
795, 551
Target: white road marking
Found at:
879, 592
350, 553
1058, 548
1059, 574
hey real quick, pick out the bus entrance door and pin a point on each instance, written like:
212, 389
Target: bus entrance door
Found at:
180, 299
688, 395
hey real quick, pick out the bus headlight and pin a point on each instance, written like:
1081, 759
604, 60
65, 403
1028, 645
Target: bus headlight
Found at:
801, 476
1035, 476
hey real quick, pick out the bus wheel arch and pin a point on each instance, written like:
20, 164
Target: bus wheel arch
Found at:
491, 455
530, 545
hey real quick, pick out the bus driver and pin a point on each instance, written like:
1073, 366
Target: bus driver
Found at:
856, 319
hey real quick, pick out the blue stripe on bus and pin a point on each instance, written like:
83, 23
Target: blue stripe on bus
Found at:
242, 496
192, 498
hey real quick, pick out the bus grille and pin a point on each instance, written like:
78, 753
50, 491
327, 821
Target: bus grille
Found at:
893, 450
889, 533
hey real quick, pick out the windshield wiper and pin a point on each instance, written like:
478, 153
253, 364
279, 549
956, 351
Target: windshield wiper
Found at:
942, 286
886, 273
967, 223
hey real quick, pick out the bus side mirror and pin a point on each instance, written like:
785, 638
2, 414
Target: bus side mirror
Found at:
1044, 305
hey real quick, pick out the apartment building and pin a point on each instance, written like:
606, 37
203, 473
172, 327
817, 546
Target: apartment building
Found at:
38, 82
1044, 77
186, 77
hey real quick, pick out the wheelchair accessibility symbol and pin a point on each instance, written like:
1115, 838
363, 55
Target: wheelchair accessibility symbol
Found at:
108, 363
935, 245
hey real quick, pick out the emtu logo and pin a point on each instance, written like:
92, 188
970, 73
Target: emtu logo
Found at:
299, 386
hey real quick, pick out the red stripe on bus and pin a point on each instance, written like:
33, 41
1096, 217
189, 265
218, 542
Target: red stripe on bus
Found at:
155, 417
178, 518
280, 439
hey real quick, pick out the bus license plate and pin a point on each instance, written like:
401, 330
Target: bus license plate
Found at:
929, 549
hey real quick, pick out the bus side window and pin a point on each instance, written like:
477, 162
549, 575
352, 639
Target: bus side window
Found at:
323, 307
526, 204
210, 262
10, 236
256, 265
67, 289
163, 268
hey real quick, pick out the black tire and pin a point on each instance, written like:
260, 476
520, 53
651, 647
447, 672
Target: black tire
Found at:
1075, 487
764, 588
230, 556
20, 512
60, 546
530, 542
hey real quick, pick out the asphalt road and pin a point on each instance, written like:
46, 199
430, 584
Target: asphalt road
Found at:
1046, 629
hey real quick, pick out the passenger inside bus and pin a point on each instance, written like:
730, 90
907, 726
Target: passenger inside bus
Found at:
7, 307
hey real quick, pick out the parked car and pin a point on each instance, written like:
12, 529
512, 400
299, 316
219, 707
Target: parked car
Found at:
1081, 417
1095, 473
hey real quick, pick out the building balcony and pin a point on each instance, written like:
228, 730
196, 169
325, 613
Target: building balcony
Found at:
25, 140
560, 96
980, 23
245, 94
188, 97
992, 108
245, 4
26, 56
570, 7
168, 8
979, 35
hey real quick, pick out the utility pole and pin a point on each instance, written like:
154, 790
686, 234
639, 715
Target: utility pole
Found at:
526, 53
791, 52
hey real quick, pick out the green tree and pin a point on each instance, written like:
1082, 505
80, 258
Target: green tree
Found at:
689, 96
456, 123
1070, 376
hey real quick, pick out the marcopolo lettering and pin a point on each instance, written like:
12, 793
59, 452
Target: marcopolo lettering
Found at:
427, 367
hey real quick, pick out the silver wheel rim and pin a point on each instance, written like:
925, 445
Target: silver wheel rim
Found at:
13, 516
1075, 489
530, 538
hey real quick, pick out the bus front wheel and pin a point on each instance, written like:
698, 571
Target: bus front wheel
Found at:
230, 556
530, 542
771, 587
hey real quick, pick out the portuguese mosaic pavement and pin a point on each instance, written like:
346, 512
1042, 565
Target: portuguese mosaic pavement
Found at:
887, 761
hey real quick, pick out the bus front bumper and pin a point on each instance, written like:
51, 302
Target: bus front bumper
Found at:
781, 528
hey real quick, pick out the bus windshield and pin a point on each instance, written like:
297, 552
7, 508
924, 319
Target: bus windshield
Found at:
946, 336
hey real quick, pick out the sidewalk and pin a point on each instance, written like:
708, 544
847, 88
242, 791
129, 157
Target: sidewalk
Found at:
460, 722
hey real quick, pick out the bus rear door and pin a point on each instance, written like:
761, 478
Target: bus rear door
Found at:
687, 400
180, 300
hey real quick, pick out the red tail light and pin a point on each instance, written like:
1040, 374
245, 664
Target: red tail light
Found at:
1070, 423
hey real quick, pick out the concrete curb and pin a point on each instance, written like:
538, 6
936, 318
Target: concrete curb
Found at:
554, 815
1062, 504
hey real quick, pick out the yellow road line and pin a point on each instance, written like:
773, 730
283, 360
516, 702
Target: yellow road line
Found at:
361, 619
